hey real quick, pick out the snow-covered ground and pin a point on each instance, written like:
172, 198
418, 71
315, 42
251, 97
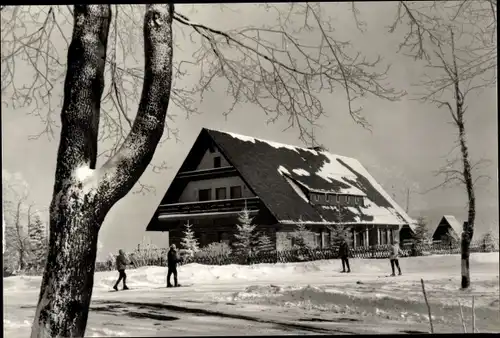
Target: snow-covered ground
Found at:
293, 298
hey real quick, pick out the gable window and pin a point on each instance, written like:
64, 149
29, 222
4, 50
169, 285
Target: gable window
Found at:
235, 192
220, 193
217, 162
204, 194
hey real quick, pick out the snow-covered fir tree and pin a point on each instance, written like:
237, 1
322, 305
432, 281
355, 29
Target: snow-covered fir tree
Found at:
189, 241
302, 237
421, 230
244, 236
38, 241
340, 231
488, 242
264, 243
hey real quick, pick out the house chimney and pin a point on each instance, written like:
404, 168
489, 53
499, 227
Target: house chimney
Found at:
318, 148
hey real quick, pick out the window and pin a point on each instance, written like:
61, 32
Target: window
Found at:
203, 239
337, 199
348, 199
224, 237
383, 236
326, 243
356, 200
327, 197
204, 195
359, 238
235, 192
220, 194
317, 239
217, 162
316, 197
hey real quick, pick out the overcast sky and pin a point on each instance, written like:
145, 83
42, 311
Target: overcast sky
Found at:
408, 142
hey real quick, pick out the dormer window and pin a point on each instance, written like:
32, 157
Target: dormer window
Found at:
217, 162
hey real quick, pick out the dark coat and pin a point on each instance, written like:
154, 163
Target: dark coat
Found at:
172, 259
121, 262
344, 249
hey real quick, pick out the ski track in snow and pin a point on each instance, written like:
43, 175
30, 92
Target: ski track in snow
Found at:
292, 292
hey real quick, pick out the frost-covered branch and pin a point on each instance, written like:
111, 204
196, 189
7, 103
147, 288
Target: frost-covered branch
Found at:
123, 170
275, 68
82, 92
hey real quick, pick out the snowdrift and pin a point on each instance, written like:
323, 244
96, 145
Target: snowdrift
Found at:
323, 271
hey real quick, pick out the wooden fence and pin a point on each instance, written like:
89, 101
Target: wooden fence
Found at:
302, 255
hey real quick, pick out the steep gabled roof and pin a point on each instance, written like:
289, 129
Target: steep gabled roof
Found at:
453, 223
277, 173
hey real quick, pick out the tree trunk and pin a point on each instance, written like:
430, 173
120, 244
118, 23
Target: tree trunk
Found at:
20, 236
468, 227
68, 279
75, 215
82, 194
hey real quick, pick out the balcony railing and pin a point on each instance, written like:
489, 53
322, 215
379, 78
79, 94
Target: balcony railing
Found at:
235, 204
210, 173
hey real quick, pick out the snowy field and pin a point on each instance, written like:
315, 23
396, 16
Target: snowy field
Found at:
267, 299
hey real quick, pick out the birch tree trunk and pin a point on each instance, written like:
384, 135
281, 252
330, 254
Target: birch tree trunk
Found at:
468, 227
83, 195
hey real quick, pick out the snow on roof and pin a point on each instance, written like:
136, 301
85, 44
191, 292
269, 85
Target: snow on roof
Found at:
454, 223
297, 189
301, 172
277, 172
281, 175
276, 145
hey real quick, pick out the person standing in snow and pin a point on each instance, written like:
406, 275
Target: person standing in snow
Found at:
121, 264
394, 257
344, 255
172, 260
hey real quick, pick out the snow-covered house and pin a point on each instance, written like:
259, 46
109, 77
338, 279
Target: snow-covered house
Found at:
281, 185
448, 226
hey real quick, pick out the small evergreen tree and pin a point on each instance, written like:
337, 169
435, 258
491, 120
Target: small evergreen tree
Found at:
421, 231
264, 243
340, 231
244, 236
38, 242
189, 241
302, 237
488, 242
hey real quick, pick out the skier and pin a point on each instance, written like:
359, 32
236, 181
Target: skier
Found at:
395, 252
121, 264
172, 260
344, 255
